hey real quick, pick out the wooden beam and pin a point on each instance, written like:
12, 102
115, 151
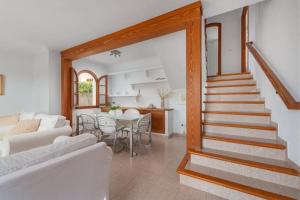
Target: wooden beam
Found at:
244, 19
66, 88
193, 84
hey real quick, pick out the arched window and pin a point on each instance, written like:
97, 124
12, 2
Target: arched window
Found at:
87, 89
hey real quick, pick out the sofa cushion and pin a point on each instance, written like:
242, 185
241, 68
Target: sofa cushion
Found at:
38, 155
26, 115
50, 121
4, 129
9, 120
25, 126
62, 138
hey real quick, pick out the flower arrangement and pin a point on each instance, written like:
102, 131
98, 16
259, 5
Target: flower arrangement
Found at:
114, 108
163, 94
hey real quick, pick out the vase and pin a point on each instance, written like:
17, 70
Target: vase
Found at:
162, 103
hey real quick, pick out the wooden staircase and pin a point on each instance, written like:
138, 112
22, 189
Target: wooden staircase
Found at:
242, 156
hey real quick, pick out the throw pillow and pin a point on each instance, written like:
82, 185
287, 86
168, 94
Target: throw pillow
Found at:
26, 115
50, 121
25, 126
9, 120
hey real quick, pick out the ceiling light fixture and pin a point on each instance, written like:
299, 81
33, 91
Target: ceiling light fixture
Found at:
115, 53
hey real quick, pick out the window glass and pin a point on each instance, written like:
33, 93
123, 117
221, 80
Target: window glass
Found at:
87, 89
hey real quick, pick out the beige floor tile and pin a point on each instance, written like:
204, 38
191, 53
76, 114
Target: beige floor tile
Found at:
152, 174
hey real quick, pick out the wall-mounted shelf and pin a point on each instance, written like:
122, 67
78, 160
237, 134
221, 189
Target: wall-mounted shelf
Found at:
120, 95
149, 82
134, 70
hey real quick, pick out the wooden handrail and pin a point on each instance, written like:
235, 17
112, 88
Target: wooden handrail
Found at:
281, 90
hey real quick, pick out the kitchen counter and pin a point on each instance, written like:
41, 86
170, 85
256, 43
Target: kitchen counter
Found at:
106, 108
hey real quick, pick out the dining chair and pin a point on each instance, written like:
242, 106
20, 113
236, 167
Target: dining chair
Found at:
89, 124
143, 127
117, 112
108, 127
132, 111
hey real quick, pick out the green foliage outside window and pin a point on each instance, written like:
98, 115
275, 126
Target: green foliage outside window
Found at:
85, 87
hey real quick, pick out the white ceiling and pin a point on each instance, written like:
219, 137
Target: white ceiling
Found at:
129, 53
216, 7
60, 24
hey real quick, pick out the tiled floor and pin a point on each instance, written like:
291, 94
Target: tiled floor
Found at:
152, 174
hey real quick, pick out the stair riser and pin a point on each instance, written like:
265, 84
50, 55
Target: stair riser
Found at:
244, 132
232, 89
231, 77
215, 189
250, 97
265, 120
235, 107
264, 152
252, 172
236, 82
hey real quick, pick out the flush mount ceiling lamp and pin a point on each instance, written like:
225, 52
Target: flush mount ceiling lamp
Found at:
115, 53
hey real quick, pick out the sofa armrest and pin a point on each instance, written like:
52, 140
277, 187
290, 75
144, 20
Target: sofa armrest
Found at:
32, 140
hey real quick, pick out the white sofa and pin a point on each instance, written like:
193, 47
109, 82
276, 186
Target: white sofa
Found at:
44, 136
80, 174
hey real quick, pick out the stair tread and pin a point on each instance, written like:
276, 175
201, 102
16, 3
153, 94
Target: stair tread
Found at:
229, 79
268, 143
237, 102
246, 181
229, 74
233, 93
233, 85
238, 113
263, 163
241, 125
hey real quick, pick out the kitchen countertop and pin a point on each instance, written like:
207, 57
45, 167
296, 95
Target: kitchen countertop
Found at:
145, 108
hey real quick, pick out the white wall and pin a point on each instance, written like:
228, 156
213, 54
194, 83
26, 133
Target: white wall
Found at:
41, 81
171, 50
231, 40
275, 36
54, 82
32, 80
17, 69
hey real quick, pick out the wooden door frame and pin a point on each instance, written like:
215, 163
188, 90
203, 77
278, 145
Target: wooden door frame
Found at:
244, 20
219, 27
106, 89
187, 18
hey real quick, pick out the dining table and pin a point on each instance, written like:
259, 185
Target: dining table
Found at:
130, 119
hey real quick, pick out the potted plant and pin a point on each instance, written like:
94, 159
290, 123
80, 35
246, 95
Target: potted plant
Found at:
113, 110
